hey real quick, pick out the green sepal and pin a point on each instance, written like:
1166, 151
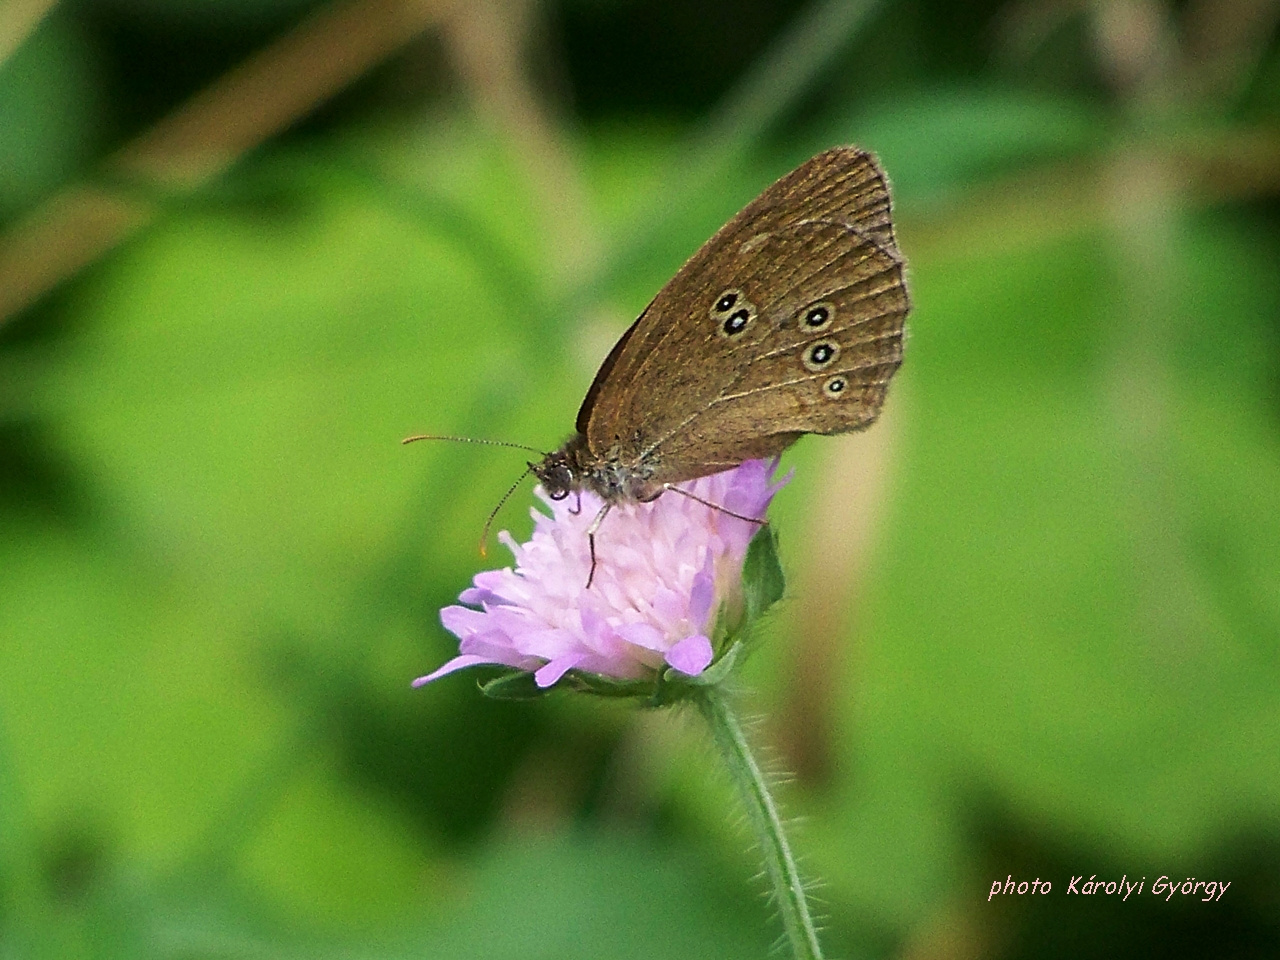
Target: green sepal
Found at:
516, 685
763, 582
521, 685
603, 686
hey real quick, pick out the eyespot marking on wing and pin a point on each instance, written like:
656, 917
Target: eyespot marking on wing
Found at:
818, 316
820, 355
732, 313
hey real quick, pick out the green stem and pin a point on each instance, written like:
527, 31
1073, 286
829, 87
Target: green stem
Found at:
762, 809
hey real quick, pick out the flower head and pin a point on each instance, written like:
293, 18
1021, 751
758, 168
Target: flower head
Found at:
664, 570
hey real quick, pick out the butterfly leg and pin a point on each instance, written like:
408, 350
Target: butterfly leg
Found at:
714, 506
577, 507
591, 539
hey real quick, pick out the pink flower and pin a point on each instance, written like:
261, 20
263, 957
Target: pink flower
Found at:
664, 570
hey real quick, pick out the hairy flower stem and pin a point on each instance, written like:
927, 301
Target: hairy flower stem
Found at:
788, 890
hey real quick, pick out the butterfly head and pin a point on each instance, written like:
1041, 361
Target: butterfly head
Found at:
556, 474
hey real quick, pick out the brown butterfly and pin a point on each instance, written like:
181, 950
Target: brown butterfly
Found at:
788, 321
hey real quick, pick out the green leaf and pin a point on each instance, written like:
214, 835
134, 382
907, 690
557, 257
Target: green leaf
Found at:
762, 580
516, 685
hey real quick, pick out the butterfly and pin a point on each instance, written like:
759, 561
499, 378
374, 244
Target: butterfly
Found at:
788, 321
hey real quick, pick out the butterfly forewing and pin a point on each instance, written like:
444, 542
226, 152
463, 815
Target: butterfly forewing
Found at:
788, 321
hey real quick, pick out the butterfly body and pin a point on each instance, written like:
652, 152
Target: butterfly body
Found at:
574, 467
788, 321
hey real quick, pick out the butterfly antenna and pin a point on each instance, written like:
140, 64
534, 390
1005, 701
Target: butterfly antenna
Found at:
492, 443
484, 534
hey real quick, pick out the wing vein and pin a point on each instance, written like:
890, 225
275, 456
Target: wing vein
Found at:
813, 376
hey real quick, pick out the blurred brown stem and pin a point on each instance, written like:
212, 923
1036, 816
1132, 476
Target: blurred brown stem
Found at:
202, 138
1225, 40
18, 20
852, 486
487, 40
1007, 214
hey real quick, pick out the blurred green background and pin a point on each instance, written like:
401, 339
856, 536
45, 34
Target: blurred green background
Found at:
1033, 624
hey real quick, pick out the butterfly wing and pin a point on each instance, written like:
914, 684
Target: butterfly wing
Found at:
788, 321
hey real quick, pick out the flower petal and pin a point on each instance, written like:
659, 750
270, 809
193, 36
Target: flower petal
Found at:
702, 594
457, 663
691, 655
553, 671
643, 635
669, 606
462, 622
